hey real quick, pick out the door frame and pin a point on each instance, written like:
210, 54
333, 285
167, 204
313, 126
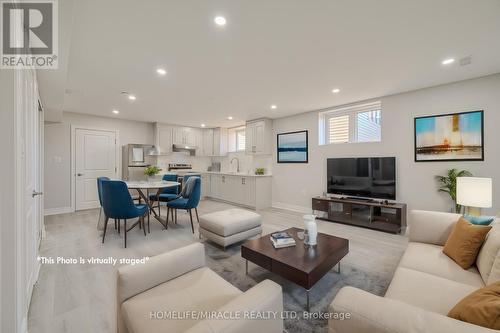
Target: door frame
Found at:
73, 157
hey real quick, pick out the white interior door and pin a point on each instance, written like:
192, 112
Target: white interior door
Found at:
29, 180
95, 156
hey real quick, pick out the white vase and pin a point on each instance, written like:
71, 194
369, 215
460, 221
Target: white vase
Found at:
312, 229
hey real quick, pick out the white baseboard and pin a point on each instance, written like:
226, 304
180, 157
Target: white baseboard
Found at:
294, 208
60, 210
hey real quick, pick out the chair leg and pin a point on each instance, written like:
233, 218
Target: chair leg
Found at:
143, 225
118, 222
105, 226
196, 211
125, 231
116, 225
191, 218
175, 215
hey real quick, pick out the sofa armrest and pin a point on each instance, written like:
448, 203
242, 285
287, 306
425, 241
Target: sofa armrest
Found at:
265, 299
369, 313
133, 280
431, 227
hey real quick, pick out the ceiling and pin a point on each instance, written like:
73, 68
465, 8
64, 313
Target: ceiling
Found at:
290, 53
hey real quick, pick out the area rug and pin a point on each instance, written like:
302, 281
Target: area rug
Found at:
231, 266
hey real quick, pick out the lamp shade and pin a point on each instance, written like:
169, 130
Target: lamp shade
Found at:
474, 192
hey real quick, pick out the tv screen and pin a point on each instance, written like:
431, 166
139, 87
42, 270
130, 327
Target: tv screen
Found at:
367, 177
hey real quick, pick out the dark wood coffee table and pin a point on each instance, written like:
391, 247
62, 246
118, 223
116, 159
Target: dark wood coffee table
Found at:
299, 264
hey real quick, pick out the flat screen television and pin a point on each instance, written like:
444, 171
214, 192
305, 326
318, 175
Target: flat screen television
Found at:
366, 177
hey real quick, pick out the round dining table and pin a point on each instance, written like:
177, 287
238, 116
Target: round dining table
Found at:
156, 187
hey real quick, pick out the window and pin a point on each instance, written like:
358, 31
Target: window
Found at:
240, 140
357, 123
236, 139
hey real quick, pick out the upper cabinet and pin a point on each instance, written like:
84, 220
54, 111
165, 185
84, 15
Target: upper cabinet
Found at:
163, 138
208, 142
184, 136
259, 137
220, 141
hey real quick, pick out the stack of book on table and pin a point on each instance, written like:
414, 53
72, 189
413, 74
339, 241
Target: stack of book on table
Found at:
282, 239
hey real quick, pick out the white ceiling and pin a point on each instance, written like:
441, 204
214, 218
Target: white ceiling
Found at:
291, 53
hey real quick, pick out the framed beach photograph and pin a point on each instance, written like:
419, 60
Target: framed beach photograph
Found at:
450, 137
292, 147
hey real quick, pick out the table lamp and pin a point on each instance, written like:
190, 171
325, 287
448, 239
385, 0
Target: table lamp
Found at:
474, 193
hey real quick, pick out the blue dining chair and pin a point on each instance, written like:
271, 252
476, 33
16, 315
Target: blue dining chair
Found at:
188, 202
117, 203
99, 193
168, 194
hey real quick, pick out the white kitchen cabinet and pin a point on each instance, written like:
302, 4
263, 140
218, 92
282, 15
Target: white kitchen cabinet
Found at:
184, 136
208, 142
205, 185
163, 138
258, 137
220, 141
249, 191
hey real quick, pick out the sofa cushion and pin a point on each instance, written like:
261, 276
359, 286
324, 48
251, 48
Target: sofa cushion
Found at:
230, 221
427, 291
464, 242
488, 253
198, 290
429, 258
482, 307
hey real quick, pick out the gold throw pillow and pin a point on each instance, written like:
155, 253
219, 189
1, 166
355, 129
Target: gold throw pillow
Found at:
482, 307
465, 241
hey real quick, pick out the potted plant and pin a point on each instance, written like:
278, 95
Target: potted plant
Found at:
151, 171
448, 184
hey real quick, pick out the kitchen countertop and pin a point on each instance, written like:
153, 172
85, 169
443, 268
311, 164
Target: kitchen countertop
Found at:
225, 173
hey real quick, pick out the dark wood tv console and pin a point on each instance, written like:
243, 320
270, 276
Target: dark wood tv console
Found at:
363, 213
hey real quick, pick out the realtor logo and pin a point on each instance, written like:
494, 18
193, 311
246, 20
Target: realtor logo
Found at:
29, 37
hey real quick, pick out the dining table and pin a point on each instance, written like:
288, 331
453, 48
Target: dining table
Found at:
155, 186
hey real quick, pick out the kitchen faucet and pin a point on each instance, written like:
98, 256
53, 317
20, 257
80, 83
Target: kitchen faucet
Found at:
237, 165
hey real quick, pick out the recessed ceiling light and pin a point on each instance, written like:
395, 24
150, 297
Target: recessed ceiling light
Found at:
230, 118
131, 97
203, 125
116, 111
220, 20
448, 61
273, 107
161, 71
336, 90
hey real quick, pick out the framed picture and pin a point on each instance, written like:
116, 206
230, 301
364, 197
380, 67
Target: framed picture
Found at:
450, 137
293, 147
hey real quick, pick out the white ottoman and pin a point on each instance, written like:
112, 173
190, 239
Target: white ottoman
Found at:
230, 226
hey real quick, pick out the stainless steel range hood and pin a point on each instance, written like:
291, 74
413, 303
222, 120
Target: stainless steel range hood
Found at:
184, 148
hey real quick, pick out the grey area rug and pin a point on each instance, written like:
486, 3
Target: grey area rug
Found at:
231, 266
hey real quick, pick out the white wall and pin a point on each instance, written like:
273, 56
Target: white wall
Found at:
295, 184
58, 151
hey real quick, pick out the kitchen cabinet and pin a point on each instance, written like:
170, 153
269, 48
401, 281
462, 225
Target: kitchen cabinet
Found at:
208, 142
249, 191
214, 142
163, 138
184, 136
220, 141
259, 137
205, 185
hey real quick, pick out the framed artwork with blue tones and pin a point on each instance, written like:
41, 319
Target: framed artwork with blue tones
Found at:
292, 147
450, 137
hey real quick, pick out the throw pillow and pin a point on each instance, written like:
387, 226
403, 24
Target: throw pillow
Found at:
480, 220
482, 307
488, 254
464, 242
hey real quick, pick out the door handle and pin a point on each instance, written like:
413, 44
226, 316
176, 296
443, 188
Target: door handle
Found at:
35, 193
79, 174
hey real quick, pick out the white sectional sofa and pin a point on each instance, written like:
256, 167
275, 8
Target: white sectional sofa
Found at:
178, 282
426, 285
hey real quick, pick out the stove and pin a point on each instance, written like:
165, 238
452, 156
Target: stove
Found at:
179, 166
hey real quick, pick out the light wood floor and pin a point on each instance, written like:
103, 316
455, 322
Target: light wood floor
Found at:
81, 298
